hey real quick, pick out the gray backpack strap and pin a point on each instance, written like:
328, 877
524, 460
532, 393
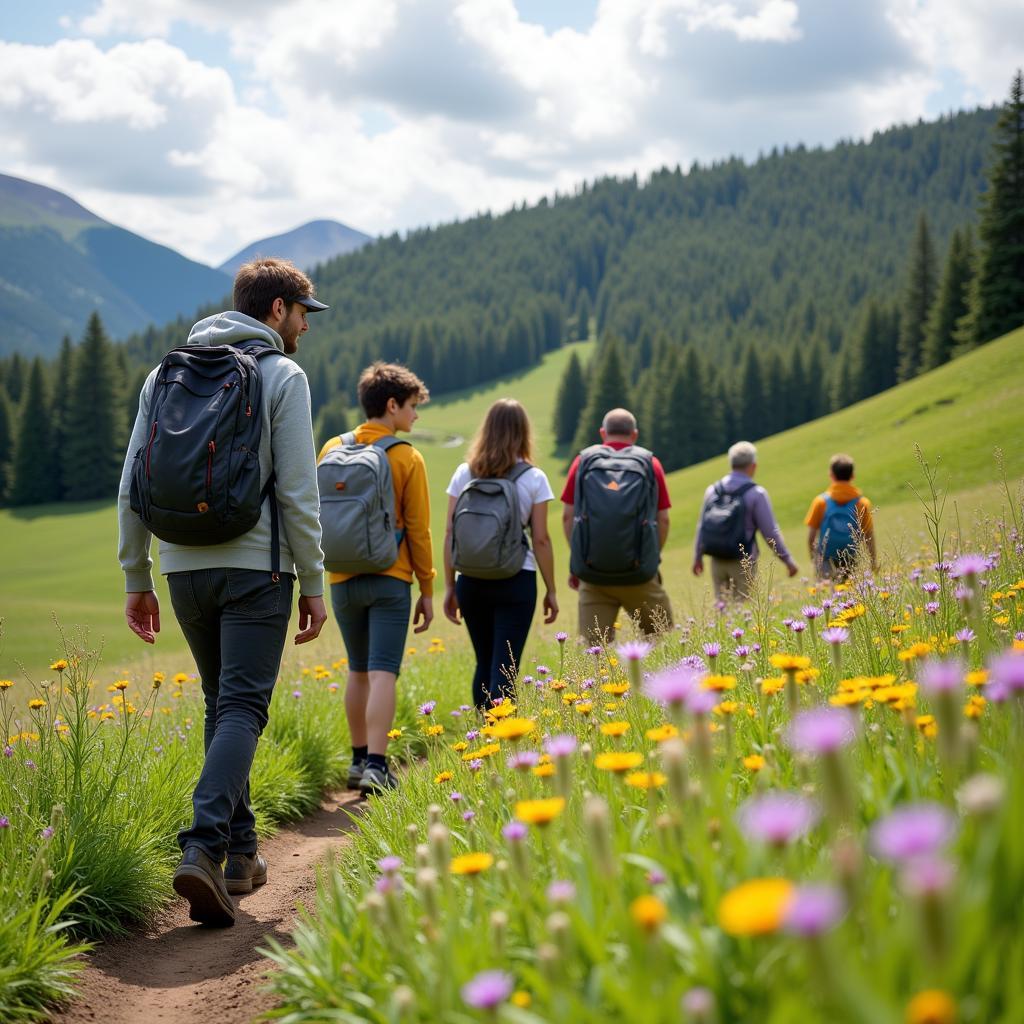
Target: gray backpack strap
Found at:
388, 441
349, 438
518, 470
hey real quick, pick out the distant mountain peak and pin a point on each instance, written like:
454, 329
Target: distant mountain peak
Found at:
26, 202
306, 245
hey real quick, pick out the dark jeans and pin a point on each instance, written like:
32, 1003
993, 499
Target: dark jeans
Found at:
235, 622
498, 614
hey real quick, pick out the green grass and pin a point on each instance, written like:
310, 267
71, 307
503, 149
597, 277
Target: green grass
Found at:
62, 558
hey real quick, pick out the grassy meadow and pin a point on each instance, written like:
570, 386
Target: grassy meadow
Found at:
62, 559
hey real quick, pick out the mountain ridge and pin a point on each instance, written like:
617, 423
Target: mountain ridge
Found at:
308, 245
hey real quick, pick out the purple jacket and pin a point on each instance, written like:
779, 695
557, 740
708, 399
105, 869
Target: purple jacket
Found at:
759, 515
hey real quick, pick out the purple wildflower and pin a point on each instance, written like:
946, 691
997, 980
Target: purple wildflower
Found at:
930, 587
543, 670
1006, 672
455, 796
594, 651
821, 730
941, 676
428, 707
455, 714
514, 831
388, 883
30, 764
963, 593
561, 891
713, 649
814, 909
468, 815
472, 735
699, 1004
694, 662
835, 635
487, 990
672, 685
969, 566
737, 633
797, 626
47, 833
741, 651
523, 760
777, 818
700, 701
561, 637
5, 822
296, 694
8, 750
475, 765
587, 684
389, 865
912, 831
656, 877
932, 607
560, 746
634, 650
811, 612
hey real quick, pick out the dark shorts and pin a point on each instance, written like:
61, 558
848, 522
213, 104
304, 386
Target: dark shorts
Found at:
373, 614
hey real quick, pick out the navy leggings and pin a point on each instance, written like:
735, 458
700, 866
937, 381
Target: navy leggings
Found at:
498, 614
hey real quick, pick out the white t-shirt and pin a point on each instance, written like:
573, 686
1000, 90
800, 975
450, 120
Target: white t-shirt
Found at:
532, 486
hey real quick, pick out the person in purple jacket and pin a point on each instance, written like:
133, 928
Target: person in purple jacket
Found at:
733, 574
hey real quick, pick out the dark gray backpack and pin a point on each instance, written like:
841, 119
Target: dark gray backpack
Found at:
196, 480
615, 517
488, 540
357, 506
723, 523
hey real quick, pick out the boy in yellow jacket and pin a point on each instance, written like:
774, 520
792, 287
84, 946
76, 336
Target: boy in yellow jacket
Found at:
373, 609
838, 521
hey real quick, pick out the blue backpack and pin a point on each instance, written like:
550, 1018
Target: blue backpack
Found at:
839, 530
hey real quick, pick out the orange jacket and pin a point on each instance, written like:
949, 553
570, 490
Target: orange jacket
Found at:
842, 492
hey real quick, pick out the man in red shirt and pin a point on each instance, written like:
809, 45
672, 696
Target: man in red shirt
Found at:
645, 602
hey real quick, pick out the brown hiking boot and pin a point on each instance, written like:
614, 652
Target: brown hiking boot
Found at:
199, 879
244, 871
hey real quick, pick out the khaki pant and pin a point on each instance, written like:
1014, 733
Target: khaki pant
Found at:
646, 602
732, 578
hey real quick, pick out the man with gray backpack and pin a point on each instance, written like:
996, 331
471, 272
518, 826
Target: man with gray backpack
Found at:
375, 514
734, 510
221, 469
615, 517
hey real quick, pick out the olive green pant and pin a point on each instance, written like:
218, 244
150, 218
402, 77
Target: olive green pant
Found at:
732, 578
646, 603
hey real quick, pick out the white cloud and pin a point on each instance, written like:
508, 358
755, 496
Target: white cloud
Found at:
391, 113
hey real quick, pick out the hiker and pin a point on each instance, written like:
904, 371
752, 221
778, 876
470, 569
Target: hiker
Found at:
735, 509
837, 521
493, 497
615, 518
380, 485
221, 467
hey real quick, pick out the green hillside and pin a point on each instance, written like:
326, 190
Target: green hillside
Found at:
59, 262
62, 558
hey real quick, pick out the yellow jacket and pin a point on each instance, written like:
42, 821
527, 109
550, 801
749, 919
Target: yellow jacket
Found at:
412, 509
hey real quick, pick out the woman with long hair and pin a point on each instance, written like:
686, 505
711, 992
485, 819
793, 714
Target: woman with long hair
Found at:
499, 611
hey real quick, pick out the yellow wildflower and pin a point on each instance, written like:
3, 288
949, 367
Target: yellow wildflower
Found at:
790, 662
648, 912
646, 780
485, 751
977, 677
772, 685
585, 707
660, 733
36, 703
915, 651
975, 706
6, 684
59, 665
393, 734
927, 725
807, 675
615, 689
434, 730
727, 707
521, 999
618, 762
442, 777
558, 684
932, 1006
756, 907
753, 762
719, 683
614, 728
460, 746
471, 863
543, 771
179, 679
503, 710
512, 728
540, 812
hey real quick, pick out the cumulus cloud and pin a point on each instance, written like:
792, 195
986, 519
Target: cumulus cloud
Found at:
393, 113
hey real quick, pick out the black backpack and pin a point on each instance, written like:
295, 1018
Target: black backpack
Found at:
615, 517
722, 523
196, 479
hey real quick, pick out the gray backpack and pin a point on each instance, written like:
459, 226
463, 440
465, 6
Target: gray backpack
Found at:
357, 506
488, 540
615, 517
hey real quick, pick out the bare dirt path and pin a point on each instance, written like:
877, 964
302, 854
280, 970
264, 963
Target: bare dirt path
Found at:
176, 972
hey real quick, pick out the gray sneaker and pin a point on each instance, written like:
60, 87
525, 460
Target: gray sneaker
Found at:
376, 780
355, 773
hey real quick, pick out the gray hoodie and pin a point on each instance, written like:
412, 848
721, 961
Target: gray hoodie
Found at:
286, 448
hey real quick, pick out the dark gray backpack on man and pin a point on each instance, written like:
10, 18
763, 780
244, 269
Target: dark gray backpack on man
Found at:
615, 517
488, 540
357, 506
723, 523
196, 480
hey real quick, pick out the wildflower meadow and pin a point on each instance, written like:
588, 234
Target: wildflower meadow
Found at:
798, 809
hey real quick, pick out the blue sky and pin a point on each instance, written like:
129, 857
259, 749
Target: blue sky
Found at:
205, 125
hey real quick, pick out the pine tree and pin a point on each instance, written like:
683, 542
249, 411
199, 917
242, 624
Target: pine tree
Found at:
571, 401
33, 476
93, 452
750, 414
997, 293
6, 445
17, 372
950, 304
817, 382
608, 389
331, 420
61, 422
917, 300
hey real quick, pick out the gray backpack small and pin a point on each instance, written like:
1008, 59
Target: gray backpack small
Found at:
488, 539
357, 506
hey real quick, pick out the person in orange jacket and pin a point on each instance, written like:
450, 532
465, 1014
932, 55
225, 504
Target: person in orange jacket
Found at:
839, 521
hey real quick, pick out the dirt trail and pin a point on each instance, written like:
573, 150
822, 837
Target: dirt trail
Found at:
176, 972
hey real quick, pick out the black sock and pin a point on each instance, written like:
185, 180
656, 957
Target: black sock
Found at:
359, 754
376, 761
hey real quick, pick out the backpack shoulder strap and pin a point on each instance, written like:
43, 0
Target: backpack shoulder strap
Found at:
349, 437
740, 491
388, 441
518, 470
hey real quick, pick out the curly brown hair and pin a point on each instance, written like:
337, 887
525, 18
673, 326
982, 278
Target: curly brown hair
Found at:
260, 281
381, 381
505, 437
